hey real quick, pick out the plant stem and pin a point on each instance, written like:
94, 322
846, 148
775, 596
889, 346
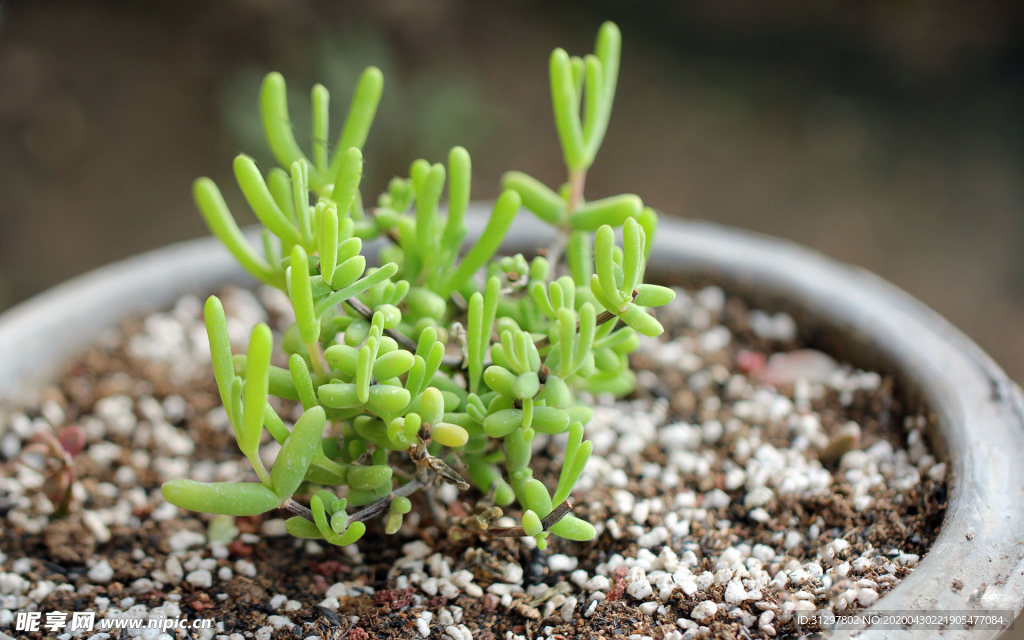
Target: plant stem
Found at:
549, 521
369, 512
601, 318
403, 340
577, 179
316, 356
297, 509
405, 490
261, 471
555, 249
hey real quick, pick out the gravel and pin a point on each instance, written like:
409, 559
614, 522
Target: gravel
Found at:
715, 503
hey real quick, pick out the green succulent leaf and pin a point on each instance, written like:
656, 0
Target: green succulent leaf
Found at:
652, 295
258, 195
537, 498
346, 181
566, 105
300, 292
368, 478
218, 218
393, 364
550, 420
254, 393
542, 201
277, 124
459, 183
356, 288
360, 114
644, 323
339, 395
228, 498
220, 350
531, 523
302, 528
298, 452
613, 211
388, 399
303, 384
502, 423
504, 212
449, 435
572, 528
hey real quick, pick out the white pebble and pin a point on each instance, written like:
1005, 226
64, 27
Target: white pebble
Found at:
569, 608
184, 539
704, 611
101, 573
598, 583
640, 589
562, 562
512, 573
735, 593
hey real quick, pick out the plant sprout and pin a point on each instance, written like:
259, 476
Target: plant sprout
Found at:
440, 365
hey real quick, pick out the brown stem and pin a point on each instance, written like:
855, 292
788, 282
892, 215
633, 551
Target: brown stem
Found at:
362, 516
403, 340
403, 491
297, 509
549, 521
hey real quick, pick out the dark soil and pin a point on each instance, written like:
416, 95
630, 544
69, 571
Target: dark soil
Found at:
907, 521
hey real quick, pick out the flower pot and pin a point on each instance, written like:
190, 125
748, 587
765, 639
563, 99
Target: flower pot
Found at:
861, 318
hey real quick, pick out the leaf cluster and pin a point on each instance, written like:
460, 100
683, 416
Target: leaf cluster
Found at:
440, 365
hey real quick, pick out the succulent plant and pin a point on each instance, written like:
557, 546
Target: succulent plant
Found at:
439, 365
52, 455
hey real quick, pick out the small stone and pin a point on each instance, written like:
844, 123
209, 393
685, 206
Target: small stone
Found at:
512, 573
92, 521
704, 611
163, 512
279, 622
802, 364
245, 568
278, 601
264, 633
461, 579
757, 497
735, 593
568, 608
430, 586
101, 573
640, 589
184, 539
598, 583
562, 562
330, 603
200, 578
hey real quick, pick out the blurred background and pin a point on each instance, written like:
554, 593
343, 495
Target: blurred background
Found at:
886, 133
